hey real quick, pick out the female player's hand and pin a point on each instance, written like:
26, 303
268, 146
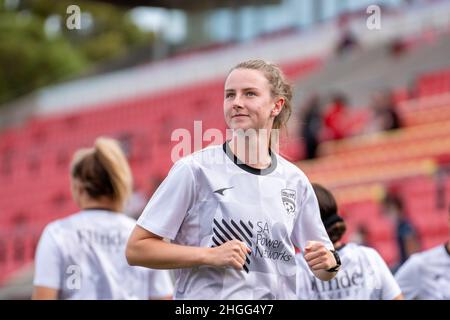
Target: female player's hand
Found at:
318, 256
230, 254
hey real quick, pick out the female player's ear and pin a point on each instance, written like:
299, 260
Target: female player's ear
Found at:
274, 111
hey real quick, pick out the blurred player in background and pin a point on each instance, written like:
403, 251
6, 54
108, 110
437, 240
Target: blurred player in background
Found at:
426, 275
83, 256
408, 240
363, 275
234, 218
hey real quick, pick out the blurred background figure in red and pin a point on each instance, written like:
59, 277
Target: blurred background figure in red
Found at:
335, 118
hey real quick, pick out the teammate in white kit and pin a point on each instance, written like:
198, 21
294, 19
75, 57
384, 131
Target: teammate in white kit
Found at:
234, 220
426, 275
83, 256
363, 274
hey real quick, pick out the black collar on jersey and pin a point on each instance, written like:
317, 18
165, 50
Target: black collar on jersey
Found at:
243, 166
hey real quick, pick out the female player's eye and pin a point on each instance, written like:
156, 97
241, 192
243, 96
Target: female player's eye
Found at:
229, 95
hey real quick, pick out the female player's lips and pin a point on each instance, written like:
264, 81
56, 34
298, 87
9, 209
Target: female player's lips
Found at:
239, 116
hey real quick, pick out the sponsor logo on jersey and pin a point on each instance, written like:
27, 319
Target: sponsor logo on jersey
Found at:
257, 237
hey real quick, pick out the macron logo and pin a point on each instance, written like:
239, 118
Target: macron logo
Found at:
221, 191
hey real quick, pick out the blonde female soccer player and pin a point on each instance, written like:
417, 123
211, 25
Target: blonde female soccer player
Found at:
83, 256
235, 211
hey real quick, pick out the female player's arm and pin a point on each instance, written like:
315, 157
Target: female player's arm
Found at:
47, 272
149, 250
44, 293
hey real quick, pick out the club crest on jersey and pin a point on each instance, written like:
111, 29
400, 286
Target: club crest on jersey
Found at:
288, 198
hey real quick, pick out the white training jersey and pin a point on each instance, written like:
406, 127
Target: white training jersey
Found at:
83, 256
363, 276
209, 198
426, 275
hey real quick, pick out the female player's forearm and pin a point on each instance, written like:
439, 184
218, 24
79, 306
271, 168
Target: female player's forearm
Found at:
158, 254
324, 275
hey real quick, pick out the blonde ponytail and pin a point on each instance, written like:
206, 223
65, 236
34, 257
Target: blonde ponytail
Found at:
115, 163
104, 171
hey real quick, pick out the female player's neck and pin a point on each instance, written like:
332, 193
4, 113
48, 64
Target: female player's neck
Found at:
103, 203
338, 245
253, 150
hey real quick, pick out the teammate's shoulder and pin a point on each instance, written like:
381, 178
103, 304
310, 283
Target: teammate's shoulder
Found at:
126, 220
52, 226
430, 253
419, 259
351, 248
58, 225
362, 247
367, 250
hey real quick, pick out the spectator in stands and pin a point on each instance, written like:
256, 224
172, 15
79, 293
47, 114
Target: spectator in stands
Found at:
426, 275
83, 256
348, 40
398, 46
235, 211
311, 124
363, 276
406, 234
336, 123
384, 113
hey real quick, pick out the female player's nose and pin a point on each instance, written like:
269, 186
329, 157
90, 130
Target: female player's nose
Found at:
237, 101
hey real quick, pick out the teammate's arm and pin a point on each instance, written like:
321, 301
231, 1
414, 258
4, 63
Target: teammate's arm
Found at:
169, 297
149, 250
399, 297
47, 269
44, 293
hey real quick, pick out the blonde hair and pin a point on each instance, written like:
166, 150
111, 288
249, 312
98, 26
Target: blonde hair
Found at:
279, 87
103, 171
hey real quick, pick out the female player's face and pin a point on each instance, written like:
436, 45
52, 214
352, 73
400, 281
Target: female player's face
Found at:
248, 101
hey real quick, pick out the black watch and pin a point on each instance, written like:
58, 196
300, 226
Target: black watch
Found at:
338, 262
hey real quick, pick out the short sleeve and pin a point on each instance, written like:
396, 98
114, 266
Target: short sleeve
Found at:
168, 207
408, 277
48, 262
389, 287
161, 284
308, 225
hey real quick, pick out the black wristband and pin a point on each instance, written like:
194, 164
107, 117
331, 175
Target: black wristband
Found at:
338, 262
